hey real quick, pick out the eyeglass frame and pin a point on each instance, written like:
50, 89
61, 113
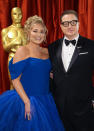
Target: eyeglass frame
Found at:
70, 22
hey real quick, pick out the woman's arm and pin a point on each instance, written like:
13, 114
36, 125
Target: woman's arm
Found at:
19, 88
20, 55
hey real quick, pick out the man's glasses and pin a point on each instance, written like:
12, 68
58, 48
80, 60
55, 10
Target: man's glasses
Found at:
66, 23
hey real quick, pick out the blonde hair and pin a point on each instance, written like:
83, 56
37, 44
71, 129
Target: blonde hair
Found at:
34, 20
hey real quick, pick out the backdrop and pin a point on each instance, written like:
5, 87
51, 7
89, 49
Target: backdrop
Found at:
50, 11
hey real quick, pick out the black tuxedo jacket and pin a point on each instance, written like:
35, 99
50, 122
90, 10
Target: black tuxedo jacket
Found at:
73, 89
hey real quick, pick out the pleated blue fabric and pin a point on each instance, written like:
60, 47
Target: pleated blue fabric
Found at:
35, 81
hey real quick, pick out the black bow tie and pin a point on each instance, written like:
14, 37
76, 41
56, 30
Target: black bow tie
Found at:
67, 42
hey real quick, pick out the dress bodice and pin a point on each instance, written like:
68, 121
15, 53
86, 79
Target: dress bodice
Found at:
34, 77
34, 74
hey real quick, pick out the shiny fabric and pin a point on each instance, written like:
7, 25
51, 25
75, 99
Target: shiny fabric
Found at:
35, 80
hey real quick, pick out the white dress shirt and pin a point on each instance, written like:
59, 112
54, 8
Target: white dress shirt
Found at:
67, 52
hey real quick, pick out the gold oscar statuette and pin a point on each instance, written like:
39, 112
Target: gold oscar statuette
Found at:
13, 36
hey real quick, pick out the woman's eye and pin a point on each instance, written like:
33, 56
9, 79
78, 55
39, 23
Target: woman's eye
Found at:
42, 32
34, 30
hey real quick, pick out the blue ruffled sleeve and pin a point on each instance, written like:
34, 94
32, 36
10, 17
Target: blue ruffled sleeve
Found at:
17, 68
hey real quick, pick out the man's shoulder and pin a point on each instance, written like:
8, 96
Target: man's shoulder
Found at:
56, 43
88, 43
87, 39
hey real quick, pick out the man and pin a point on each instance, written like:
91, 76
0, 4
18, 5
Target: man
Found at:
72, 59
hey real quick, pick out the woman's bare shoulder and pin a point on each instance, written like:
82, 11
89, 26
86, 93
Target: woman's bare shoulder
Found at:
21, 54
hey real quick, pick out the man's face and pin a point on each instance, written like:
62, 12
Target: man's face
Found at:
69, 25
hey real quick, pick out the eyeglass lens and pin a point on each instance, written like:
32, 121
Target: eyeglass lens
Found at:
66, 23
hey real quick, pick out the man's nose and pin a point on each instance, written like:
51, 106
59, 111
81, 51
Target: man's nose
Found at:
70, 25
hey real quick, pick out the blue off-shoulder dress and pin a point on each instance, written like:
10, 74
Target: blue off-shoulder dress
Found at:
35, 81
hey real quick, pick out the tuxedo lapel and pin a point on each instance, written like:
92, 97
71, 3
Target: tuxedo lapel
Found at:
75, 55
58, 55
79, 46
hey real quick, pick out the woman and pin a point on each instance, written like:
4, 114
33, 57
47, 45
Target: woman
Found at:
30, 106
